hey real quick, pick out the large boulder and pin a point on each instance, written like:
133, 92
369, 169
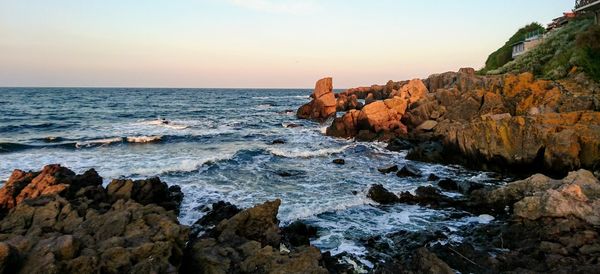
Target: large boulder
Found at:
324, 103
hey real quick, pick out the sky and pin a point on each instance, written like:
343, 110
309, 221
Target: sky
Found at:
252, 43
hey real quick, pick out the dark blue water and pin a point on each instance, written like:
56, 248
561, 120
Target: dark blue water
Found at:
217, 145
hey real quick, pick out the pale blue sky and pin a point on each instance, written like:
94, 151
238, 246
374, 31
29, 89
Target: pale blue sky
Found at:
251, 43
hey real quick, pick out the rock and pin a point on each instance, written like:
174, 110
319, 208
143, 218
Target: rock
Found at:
292, 125
339, 161
390, 169
220, 211
408, 171
370, 99
428, 263
324, 103
398, 144
249, 242
432, 177
149, 191
299, 234
379, 194
470, 71
448, 185
427, 125
9, 258
278, 142
80, 229
52, 180
578, 195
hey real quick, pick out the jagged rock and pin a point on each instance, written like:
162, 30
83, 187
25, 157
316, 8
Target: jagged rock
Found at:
149, 191
299, 233
448, 185
427, 125
379, 194
66, 223
51, 180
432, 177
428, 263
323, 105
578, 195
387, 170
408, 171
249, 242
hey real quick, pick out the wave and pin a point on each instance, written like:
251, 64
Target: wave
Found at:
298, 153
165, 123
16, 147
99, 142
144, 139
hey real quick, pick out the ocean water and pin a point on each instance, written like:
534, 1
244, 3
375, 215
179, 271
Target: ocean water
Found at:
217, 145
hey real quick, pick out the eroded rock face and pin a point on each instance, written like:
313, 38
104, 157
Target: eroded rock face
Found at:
324, 103
249, 242
61, 222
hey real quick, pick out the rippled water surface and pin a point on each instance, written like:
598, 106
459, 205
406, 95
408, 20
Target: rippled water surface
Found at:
217, 145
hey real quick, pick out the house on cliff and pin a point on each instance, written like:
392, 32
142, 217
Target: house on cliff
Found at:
588, 6
530, 41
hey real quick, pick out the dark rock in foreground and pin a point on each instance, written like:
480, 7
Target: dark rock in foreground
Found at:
250, 242
59, 222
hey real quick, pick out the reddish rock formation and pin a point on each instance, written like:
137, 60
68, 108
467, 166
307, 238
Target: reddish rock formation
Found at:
323, 105
379, 119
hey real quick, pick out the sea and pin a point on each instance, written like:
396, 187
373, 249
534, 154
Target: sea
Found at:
218, 145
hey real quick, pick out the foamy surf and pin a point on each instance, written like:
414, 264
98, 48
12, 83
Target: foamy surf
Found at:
166, 124
144, 139
98, 142
300, 153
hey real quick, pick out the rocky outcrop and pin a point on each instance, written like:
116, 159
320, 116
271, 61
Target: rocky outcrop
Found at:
379, 119
324, 103
60, 222
250, 242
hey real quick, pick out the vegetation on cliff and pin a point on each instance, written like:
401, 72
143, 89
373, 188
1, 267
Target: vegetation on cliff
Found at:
575, 45
504, 54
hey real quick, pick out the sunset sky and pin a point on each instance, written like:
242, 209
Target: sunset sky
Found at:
251, 43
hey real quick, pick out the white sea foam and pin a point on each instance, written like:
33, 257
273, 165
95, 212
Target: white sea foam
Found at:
144, 139
303, 153
98, 142
166, 124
